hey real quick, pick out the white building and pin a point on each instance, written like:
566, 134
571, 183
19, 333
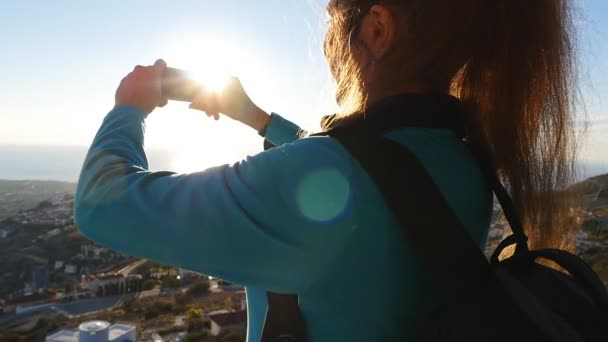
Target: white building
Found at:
58, 264
99, 284
93, 252
96, 331
236, 321
53, 233
70, 269
4, 233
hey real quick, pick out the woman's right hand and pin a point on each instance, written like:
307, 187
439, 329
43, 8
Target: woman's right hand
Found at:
233, 102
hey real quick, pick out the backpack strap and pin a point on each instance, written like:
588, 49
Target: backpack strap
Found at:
436, 234
284, 322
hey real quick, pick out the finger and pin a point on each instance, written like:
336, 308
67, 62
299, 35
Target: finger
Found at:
138, 68
198, 104
157, 78
203, 101
159, 67
216, 116
160, 63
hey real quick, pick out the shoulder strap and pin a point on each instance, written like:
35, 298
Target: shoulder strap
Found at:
438, 237
283, 321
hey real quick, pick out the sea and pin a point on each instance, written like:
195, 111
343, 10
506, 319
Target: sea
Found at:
63, 163
58, 163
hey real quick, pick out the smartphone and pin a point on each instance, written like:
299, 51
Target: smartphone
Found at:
177, 85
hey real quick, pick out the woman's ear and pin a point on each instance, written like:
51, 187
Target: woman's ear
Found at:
378, 31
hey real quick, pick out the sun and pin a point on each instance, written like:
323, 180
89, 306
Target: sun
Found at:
208, 60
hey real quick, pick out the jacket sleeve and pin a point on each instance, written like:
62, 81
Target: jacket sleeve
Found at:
281, 131
271, 221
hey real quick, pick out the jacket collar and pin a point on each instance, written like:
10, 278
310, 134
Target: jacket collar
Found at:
438, 111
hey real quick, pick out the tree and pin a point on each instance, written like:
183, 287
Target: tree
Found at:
194, 313
231, 336
9, 337
197, 325
181, 302
149, 284
198, 289
199, 336
170, 282
228, 304
128, 304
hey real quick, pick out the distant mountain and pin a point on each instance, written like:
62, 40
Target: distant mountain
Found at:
23, 195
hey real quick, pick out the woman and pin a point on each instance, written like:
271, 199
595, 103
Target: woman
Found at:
304, 217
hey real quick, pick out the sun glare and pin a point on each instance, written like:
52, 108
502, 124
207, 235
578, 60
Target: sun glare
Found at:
195, 142
209, 61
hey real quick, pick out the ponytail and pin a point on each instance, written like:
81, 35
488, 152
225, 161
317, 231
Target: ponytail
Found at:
519, 82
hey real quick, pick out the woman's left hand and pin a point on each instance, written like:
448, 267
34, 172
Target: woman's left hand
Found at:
142, 88
233, 102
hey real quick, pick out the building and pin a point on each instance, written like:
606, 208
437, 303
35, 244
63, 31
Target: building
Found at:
596, 225
4, 233
236, 321
104, 285
96, 331
38, 279
70, 269
29, 302
93, 252
58, 265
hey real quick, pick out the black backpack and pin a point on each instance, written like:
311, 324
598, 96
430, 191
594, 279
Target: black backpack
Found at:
516, 299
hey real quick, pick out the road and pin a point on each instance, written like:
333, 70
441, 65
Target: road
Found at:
87, 306
70, 309
83, 306
148, 293
125, 271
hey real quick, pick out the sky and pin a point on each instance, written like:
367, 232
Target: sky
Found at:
62, 61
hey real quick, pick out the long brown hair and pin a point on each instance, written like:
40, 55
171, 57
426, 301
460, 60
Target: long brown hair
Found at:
512, 62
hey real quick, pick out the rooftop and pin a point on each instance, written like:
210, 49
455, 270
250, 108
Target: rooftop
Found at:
110, 276
63, 336
230, 318
116, 332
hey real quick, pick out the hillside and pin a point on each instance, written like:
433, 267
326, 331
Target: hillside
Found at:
23, 195
46, 236
593, 193
592, 240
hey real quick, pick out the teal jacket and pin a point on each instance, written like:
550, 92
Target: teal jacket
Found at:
301, 218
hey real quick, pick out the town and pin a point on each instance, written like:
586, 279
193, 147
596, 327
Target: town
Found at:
53, 281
